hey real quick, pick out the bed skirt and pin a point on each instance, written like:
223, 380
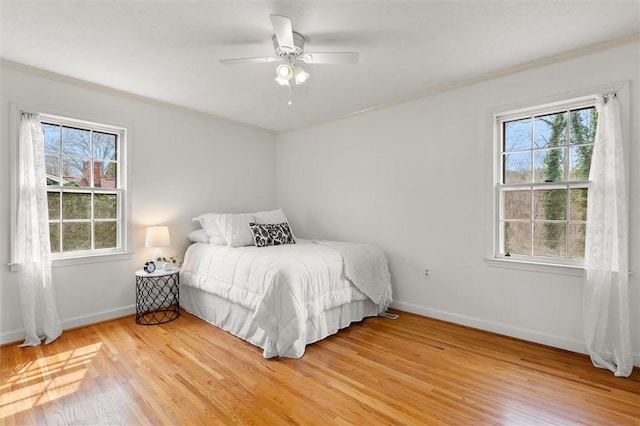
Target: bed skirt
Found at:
236, 319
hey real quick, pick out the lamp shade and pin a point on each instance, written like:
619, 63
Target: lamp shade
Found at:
157, 236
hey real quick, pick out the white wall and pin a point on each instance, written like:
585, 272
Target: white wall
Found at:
415, 179
183, 164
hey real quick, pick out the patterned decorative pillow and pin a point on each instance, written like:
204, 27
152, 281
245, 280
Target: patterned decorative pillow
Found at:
271, 234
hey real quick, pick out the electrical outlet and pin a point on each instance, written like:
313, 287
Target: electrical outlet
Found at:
427, 272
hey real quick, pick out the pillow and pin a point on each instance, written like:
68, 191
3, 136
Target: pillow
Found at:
271, 234
235, 229
198, 236
273, 217
210, 225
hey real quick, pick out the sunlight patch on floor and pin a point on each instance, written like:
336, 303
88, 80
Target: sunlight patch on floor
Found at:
45, 379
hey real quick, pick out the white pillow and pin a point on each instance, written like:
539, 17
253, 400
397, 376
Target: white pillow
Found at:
273, 217
235, 228
198, 236
210, 225
270, 217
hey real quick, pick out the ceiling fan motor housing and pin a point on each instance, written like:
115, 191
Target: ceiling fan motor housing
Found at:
296, 49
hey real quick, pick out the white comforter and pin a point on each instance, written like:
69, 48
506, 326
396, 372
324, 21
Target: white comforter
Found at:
284, 286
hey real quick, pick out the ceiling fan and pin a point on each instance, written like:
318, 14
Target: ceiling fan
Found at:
289, 49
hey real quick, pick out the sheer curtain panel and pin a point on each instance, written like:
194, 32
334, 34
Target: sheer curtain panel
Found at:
606, 300
33, 246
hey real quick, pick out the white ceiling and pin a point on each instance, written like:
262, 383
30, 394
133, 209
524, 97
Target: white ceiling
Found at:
170, 50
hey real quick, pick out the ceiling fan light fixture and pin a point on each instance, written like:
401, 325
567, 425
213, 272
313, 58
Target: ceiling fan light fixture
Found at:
300, 75
284, 71
288, 47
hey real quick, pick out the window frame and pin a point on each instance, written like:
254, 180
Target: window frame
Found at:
123, 246
510, 114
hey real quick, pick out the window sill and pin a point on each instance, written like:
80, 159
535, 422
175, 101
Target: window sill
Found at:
549, 268
69, 261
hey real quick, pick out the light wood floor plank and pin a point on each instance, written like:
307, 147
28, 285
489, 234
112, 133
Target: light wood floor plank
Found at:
412, 370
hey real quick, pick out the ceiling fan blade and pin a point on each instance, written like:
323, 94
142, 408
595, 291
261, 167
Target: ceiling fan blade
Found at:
283, 30
261, 60
330, 58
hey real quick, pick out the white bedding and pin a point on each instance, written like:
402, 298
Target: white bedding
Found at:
284, 287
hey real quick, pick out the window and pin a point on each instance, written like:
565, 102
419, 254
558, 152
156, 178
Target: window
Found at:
85, 186
542, 166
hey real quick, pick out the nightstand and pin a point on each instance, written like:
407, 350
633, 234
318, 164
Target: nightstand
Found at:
157, 296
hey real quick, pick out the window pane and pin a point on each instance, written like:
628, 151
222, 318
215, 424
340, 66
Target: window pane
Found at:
516, 204
52, 169
550, 130
517, 238
105, 206
517, 135
105, 174
54, 237
580, 162
577, 232
549, 165
550, 204
77, 236
583, 125
76, 206
517, 168
76, 164
76, 172
550, 239
51, 138
104, 146
76, 142
106, 234
578, 204
53, 200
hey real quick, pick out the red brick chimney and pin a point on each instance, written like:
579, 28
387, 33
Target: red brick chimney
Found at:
97, 174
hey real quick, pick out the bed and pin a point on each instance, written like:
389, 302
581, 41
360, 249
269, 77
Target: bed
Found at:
286, 296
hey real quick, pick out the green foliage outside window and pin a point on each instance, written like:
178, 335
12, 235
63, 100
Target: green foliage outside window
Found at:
76, 223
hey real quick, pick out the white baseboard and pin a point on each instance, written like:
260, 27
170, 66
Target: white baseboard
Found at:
519, 333
18, 335
506, 330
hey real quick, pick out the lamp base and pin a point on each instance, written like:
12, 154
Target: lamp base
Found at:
156, 254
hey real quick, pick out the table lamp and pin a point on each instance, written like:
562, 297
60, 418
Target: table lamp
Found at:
157, 236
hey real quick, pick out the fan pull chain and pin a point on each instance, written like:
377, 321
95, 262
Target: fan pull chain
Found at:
289, 103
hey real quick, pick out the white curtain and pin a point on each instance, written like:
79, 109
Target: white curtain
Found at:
606, 301
33, 254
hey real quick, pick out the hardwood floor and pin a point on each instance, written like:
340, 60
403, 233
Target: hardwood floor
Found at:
412, 370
